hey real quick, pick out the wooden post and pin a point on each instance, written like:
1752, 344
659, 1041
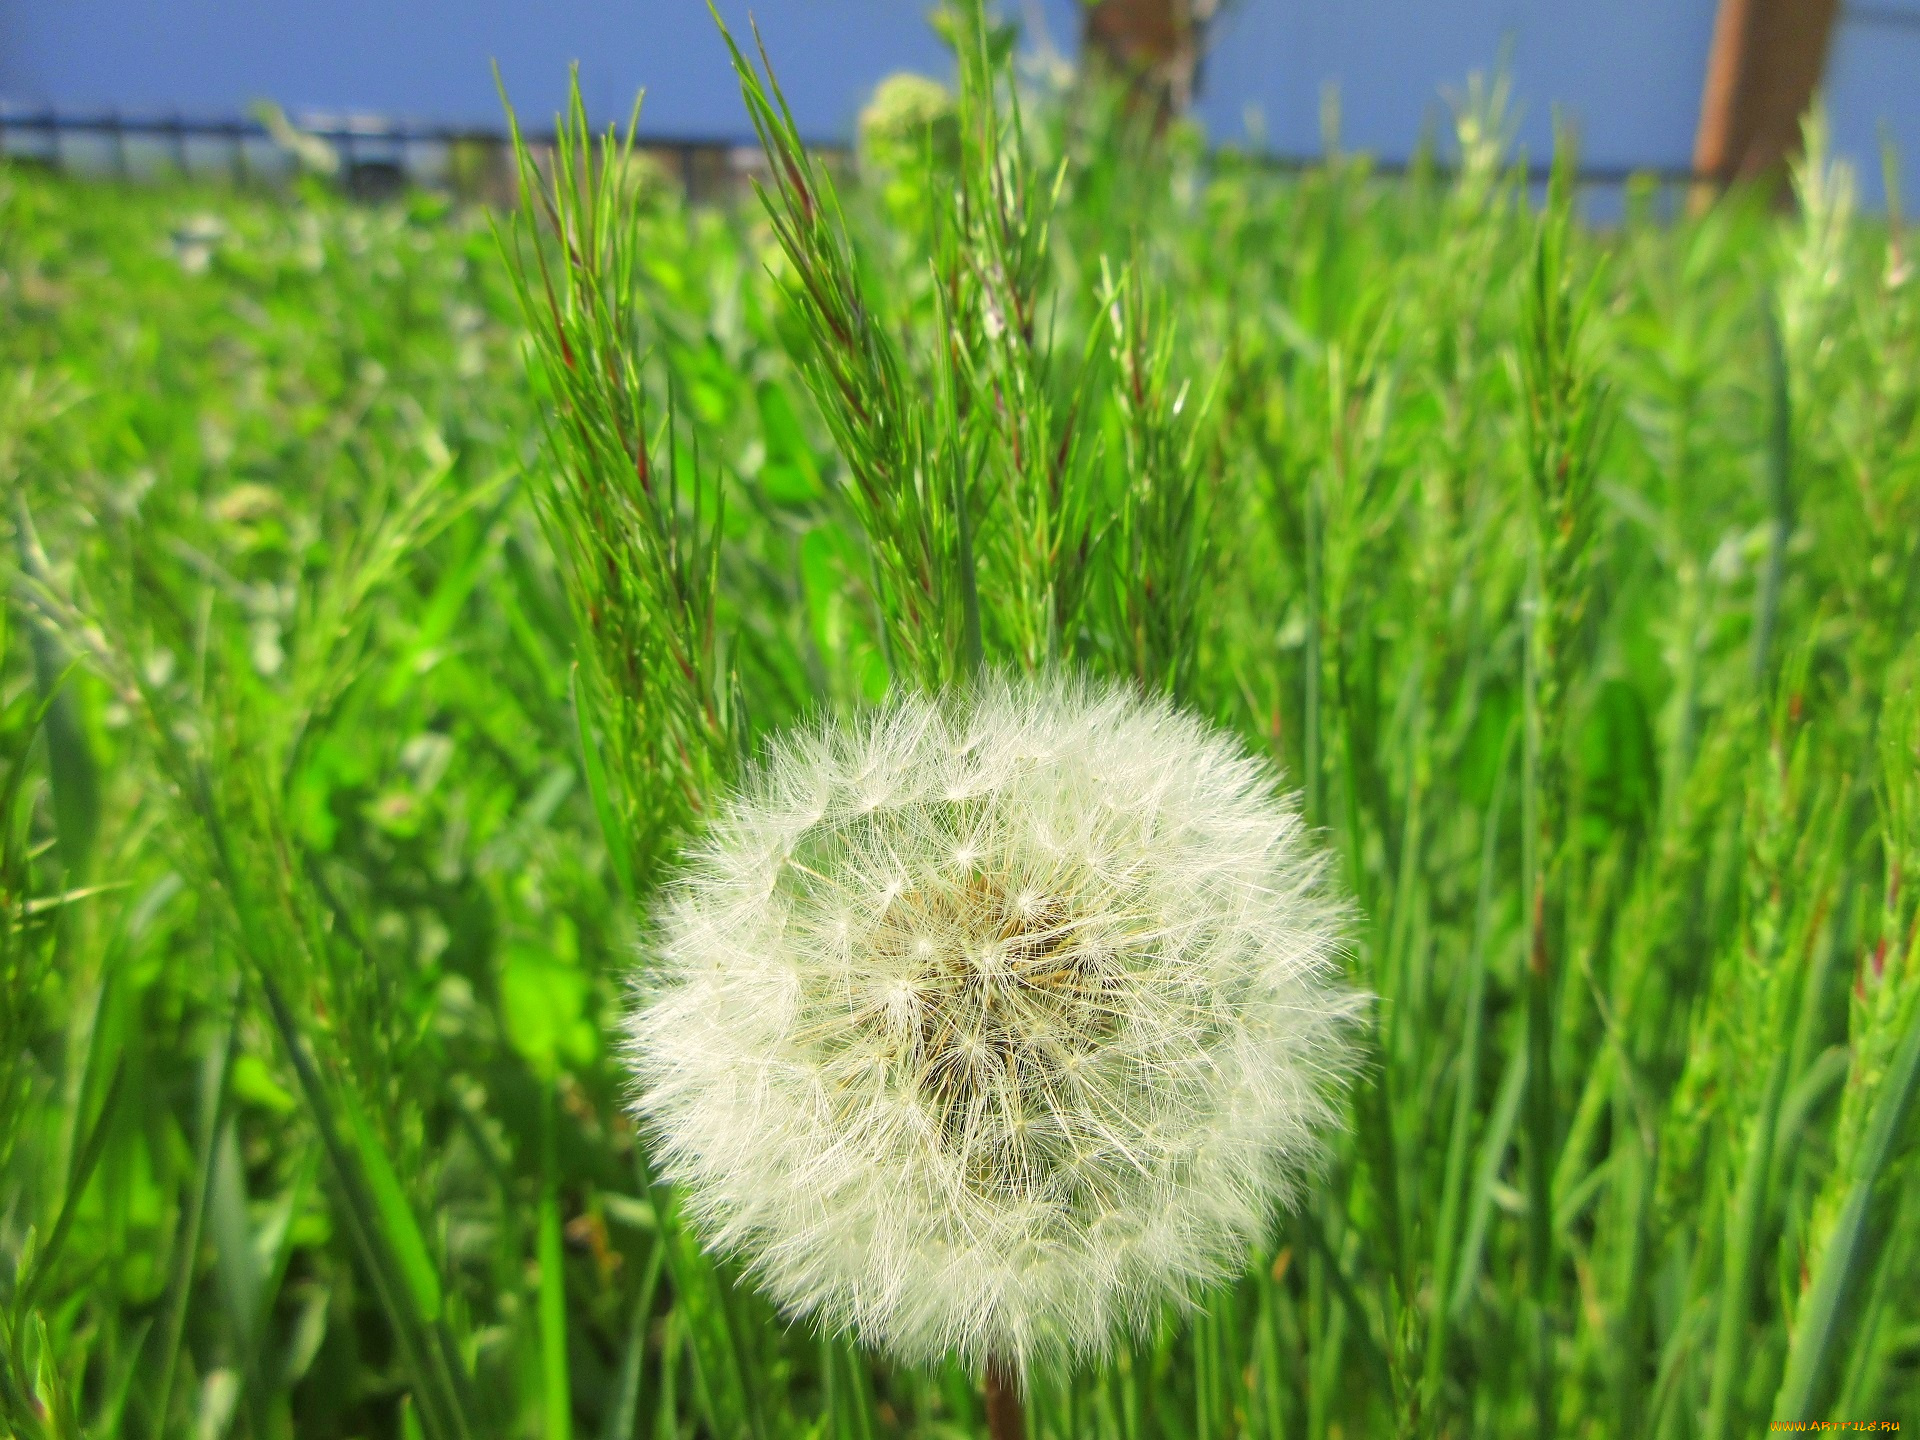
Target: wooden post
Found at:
1767, 59
1156, 45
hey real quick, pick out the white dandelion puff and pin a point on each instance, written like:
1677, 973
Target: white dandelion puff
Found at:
1035, 1025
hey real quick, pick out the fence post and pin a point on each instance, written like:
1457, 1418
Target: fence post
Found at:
1766, 60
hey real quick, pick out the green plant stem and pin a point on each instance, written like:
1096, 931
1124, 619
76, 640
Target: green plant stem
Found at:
213, 1092
1447, 1241
427, 1351
622, 1414
1633, 1187
1313, 781
1539, 1038
973, 659
1779, 496
557, 1390
1843, 1272
1747, 1213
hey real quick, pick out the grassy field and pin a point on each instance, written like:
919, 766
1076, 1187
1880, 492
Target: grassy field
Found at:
358, 692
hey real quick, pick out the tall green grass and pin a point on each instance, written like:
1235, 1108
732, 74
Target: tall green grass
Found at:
385, 608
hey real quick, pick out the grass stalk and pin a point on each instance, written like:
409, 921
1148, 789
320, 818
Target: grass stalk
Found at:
557, 1389
1779, 470
623, 1415
1747, 1209
405, 1290
213, 1101
1844, 1270
1448, 1239
1541, 1107
1564, 419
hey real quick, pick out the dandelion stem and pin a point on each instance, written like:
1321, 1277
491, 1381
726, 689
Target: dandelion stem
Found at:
1006, 1415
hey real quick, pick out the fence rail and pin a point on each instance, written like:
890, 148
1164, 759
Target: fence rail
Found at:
377, 156
1891, 17
374, 155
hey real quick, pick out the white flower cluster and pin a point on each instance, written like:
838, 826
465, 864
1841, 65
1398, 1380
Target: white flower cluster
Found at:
993, 1023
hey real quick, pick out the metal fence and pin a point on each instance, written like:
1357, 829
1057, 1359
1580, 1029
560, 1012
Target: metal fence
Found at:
374, 157
377, 158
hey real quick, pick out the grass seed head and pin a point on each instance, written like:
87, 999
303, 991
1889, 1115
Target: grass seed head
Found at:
995, 1022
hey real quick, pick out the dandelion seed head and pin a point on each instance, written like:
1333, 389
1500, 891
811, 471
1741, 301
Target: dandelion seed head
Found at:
1024, 1035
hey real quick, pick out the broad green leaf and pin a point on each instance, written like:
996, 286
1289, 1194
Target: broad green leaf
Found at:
543, 1003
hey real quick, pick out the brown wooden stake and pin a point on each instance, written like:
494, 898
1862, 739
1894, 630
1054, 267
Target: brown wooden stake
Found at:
1766, 61
1154, 45
1006, 1417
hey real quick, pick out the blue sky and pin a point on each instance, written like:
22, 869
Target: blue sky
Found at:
1626, 71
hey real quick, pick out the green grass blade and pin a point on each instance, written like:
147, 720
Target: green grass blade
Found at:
213, 1099
557, 1390
72, 770
86, 1158
1486, 1173
428, 1353
1843, 1273
619, 843
624, 1413
395, 1214
1448, 1240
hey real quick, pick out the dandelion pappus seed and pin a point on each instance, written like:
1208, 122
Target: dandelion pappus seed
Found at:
1061, 1023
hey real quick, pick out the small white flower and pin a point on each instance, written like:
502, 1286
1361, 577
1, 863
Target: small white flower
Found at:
1018, 1046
